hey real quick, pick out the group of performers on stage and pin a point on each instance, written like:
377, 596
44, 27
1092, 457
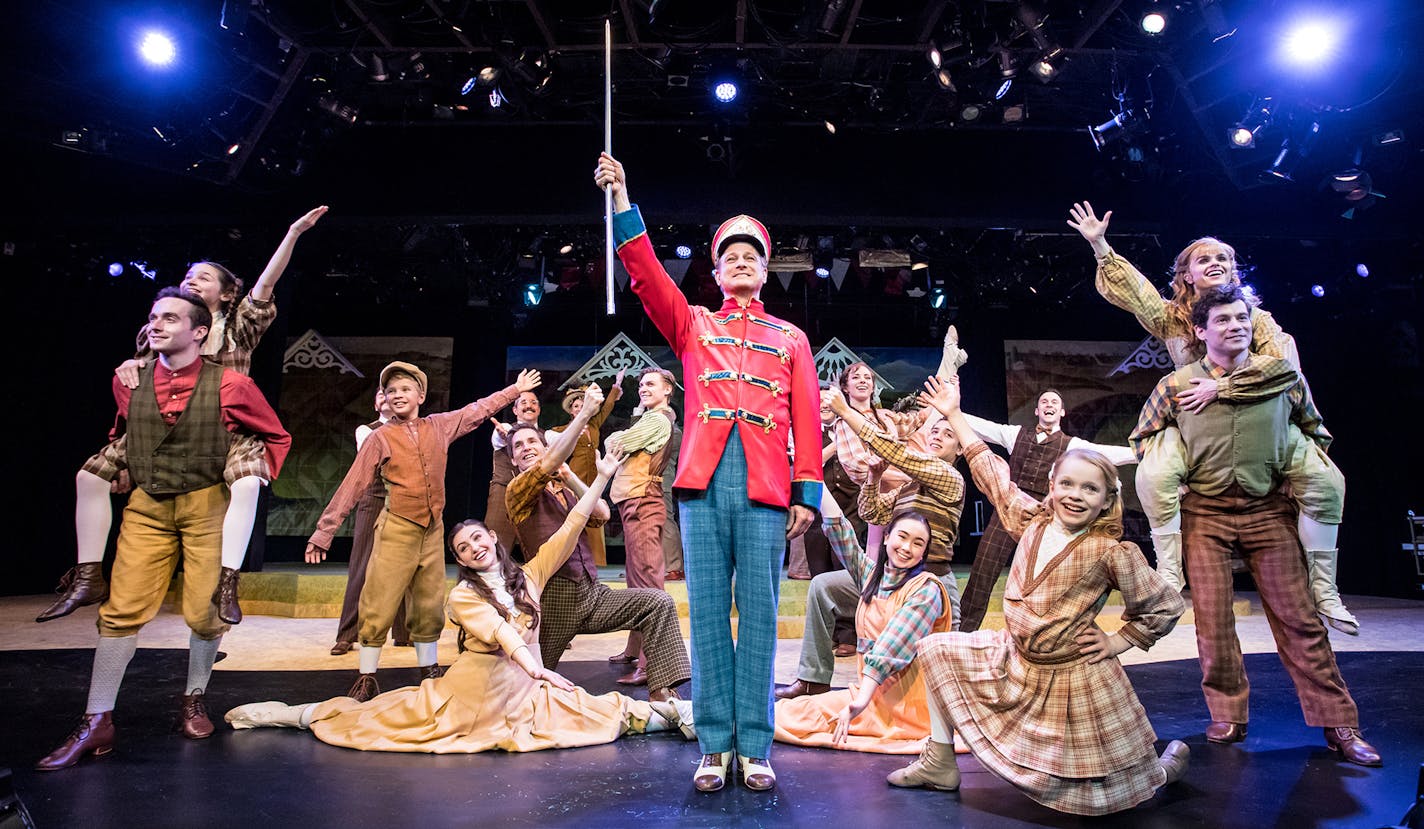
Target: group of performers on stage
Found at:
1231, 465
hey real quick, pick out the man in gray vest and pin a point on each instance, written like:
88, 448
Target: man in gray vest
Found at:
179, 421
1236, 454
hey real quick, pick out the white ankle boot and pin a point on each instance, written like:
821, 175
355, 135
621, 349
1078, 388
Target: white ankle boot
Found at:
1168, 547
1321, 566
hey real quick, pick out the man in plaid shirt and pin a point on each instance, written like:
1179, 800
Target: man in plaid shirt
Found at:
1236, 453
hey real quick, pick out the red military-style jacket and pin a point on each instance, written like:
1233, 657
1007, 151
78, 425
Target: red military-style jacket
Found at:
740, 367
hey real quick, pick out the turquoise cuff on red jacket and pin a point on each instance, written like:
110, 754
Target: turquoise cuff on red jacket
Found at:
807, 494
628, 226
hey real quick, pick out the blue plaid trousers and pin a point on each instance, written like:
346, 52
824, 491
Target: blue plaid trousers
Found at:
732, 547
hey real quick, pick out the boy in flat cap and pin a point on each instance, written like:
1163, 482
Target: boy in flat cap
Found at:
408, 553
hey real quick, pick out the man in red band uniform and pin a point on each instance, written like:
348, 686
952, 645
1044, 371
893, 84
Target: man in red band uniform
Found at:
179, 423
751, 388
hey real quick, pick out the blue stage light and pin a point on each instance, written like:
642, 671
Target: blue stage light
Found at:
1003, 89
1362, 269
1310, 43
726, 92
1317, 290
469, 86
937, 298
823, 272
157, 48
533, 292
684, 252
117, 268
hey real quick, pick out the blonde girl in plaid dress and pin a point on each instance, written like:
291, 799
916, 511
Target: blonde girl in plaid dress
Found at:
1317, 484
238, 325
1045, 704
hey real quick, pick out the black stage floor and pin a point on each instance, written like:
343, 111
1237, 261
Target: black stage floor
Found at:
1282, 776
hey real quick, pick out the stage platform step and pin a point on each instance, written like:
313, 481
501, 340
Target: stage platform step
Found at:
315, 592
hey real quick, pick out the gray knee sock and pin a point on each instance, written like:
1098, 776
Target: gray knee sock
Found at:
201, 655
111, 660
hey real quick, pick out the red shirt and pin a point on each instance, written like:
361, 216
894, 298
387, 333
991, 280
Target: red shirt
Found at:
244, 408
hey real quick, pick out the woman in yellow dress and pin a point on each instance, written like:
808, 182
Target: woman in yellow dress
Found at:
497, 694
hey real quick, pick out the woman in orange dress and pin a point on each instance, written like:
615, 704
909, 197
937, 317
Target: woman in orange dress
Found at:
497, 694
885, 710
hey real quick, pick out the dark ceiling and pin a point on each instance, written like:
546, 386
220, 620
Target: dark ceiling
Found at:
273, 106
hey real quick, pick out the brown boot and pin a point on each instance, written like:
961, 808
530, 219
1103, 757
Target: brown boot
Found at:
1352, 746
94, 735
225, 597
83, 585
431, 672
193, 717
936, 768
364, 688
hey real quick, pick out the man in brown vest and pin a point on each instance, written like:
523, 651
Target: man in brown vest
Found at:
1236, 457
586, 449
526, 411
637, 491
574, 601
1031, 456
408, 553
179, 422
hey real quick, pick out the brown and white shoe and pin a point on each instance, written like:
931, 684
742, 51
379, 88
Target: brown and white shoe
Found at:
94, 736
364, 688
800, 688
711, 774
193, 717
757, 774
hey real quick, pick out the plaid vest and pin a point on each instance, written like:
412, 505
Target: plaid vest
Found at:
1031, 461
192, 453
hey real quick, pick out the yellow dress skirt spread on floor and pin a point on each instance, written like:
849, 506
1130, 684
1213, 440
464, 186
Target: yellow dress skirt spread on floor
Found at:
485, 701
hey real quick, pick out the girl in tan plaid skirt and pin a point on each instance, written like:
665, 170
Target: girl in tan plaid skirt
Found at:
1044, 704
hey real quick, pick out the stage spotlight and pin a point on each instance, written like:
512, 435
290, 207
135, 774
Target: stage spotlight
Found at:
945, 80
970, 113
1003, 89
157, 48
233, 148
1113, 129
1354, 184
142, 267
1256, 120
684, 252
533, 292
117, 268
1046, 67
725, 92
1362, 270
377, 71
1007, 68
936, 59
1309, 43
1292, 152
469, 85
937, 298
566, 249
1014, 113
823, 271
830, 127
496, 98
1153, 22
1317, 290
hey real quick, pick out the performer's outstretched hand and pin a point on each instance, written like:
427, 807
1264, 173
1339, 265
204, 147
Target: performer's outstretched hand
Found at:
1086, 222
306, 222
942, 394
528, 380
609, 174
